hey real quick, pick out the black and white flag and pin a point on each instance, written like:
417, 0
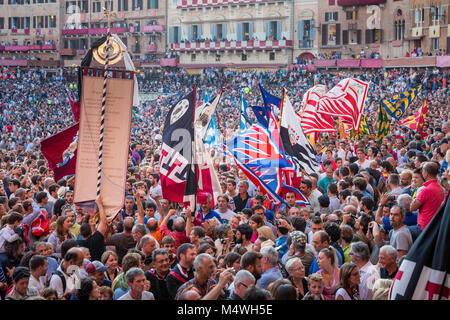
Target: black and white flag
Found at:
295, 143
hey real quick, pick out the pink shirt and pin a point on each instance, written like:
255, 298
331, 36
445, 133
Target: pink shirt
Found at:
431, 198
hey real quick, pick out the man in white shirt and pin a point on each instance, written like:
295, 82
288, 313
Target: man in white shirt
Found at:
136, 281
362, 162
38, 269
222, 207
360, 255
63, 282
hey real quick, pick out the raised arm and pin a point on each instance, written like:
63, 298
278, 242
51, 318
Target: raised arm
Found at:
140, 207
188, 221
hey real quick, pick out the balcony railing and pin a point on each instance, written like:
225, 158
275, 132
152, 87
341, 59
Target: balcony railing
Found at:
17, 48
216, 3
68, 52
154, 27
152, 48
231, 45
305, 44
74, 32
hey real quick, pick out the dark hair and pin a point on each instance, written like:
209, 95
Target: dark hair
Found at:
299, 223
14, 217
248, 212
286, 292
183, 249
257, 219
324, 201
255, 293
249, 259
85, 230
333, 230
332, 188
40, 196
230, 259
316, 220
37, 261
353, 167
308, 183
345, 193
368, 202
245, 230
345, 171
364, 222
198, 231
203, 247
86, 288
67, 245
57, 207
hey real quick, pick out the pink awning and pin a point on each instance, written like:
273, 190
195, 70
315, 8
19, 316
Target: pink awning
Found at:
443, 61
348, 63
372, 63
13, 63
155, 27
324, 63
168, 62
359, 2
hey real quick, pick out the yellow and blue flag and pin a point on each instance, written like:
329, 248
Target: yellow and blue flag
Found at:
383, 123
397, 105
415, 122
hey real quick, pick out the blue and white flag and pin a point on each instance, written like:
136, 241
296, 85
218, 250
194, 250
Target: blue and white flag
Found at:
212, 138
244, 118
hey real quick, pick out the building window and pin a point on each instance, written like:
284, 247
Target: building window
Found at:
353, 36
273, 30
272, 56
137, 5
96, 6
351, 15
331, 16
305, 32
174, 34
194, 32
244, 57
123, 5
2, 23
245, 31
418, 15
109, 5
152, 4
435, 44
399, 30
218, 32
331, 34
193, 57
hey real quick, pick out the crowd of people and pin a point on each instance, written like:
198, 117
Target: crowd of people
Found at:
368, 203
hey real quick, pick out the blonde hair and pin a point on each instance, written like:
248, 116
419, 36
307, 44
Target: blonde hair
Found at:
447, 156
380, 290
266, 232
315, 277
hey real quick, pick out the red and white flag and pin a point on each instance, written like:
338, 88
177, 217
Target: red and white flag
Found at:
311, 120
345, 100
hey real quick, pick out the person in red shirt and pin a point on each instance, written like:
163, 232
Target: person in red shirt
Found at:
180, 233
430, 198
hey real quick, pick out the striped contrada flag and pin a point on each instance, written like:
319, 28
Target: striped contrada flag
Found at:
383, 123
415, 122
397, 105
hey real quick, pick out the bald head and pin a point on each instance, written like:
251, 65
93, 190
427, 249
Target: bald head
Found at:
152, 224
128, 224
350, 209
179, 224
430, 170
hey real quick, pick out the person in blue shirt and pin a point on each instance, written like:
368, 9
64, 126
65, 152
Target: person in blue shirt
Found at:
282, 227
206, 212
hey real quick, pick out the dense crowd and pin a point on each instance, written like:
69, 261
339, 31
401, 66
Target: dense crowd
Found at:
368, 204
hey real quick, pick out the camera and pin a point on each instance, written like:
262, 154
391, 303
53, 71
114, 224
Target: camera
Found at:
223, 241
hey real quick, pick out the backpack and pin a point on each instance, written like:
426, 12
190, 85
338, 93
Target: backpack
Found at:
66, 296
40, 226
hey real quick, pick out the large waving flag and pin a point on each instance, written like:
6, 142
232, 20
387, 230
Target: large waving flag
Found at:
261, 159
60, 151
415, 122
295, 143
345, 100
262, 115
364, 128
383, 123
425, 271
397, 105
204, 114
177, 171
212, 138
244, 118
311, 120
271, 102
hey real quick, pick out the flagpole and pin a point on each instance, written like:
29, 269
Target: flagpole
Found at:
102, 119
194, 154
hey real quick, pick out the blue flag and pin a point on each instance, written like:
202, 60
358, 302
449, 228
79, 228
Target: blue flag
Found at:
271, 102
212, 138
261, 115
